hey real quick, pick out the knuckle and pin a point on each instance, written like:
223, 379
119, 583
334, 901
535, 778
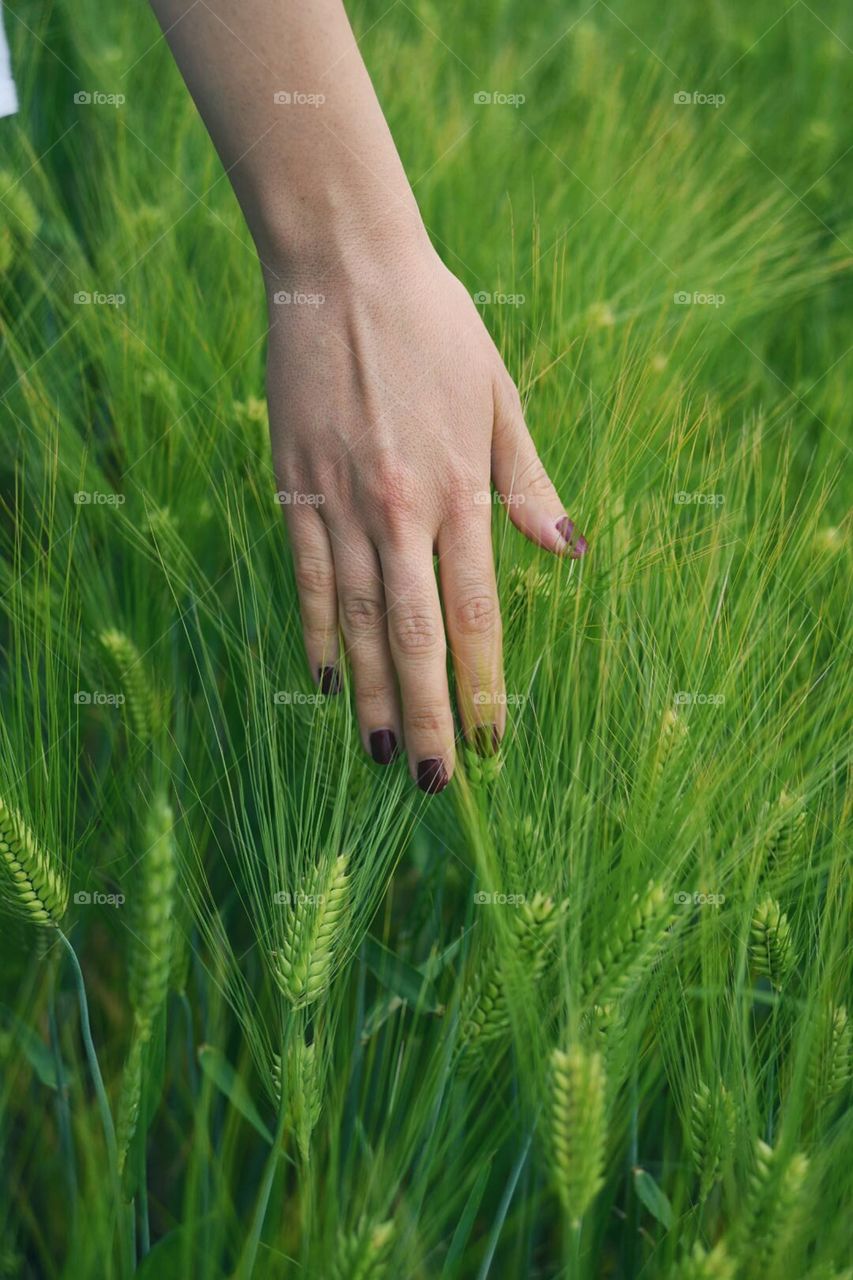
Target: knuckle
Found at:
477, 615
535, 481
374, 695
315, 576
394, 490
361, 613
429, 721
414, 632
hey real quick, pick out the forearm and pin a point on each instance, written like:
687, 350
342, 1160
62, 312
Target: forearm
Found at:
313, 180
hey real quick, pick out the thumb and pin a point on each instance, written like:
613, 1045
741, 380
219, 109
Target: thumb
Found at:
521, 479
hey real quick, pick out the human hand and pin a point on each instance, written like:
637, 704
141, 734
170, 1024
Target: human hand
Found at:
391, 411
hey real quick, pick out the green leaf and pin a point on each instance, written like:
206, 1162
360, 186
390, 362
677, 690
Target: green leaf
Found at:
651, 1195
217, 1068
463, 1228
36, 1052
400, 977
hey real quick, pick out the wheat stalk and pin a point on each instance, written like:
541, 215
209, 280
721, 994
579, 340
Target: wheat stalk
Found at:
771, 945
486, 1016
304, 1090
577, 1127
35, 889
787, 826
629, 946
700, 1265
831, 1065
775, 1189
363, 1254
302, 965
135, 682
153, 907
712, 1131
130, 1098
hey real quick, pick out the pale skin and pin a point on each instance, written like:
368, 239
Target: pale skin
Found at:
391, 411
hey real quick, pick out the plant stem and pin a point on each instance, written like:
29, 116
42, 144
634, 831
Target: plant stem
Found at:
103, 1103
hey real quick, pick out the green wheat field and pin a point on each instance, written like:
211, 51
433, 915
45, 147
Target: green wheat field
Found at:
267, 1010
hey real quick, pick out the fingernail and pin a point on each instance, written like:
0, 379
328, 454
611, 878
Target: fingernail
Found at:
383, 745
432, 776
486, 739
565, 528
330, 680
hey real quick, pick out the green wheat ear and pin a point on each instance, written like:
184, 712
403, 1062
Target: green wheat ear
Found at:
152, 909
774, 1193
302, 966
34, 888
130, 1098
482, 771
831, 1065
712, 1132
630, 946
363, 1254
699, 1265
771, 943
304, 1090
787, 826
577, 1127
135, 680
486, 1015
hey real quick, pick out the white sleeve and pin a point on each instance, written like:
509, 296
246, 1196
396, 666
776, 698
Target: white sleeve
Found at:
8, 96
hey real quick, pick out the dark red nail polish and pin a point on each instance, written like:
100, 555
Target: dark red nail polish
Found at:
432, 776
486, 739
580, 547
330, 680
383, 745
565, 528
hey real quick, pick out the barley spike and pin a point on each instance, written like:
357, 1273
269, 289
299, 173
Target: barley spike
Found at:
35, 889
